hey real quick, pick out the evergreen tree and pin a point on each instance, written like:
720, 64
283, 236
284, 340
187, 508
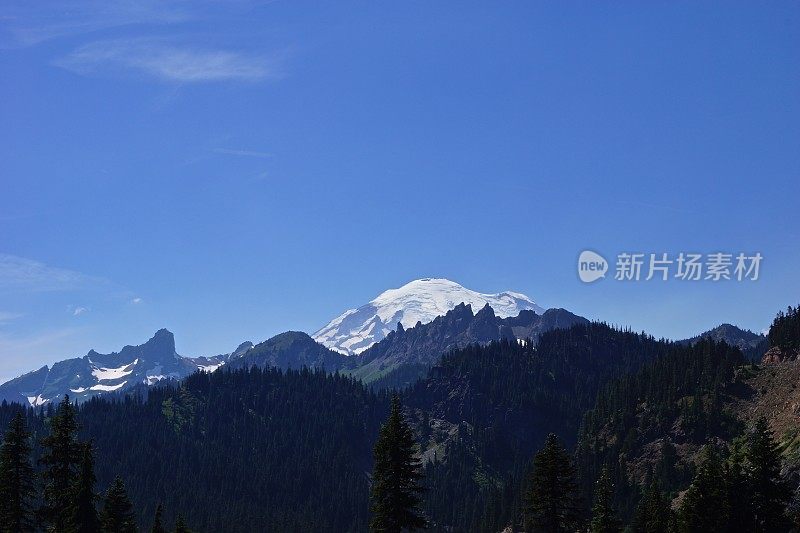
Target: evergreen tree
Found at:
653, 514
770, 494
737, 487
704, 507
397, 476
681, 385
603, 518
16, 478
84, 517
60, 458
793, 511
550, 500
785, 330
180, 525
158, 527
117, 515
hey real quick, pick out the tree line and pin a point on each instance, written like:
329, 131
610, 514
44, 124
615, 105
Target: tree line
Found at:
500, 401
235, 450
735, 490
732, 487
785, 330
60, 496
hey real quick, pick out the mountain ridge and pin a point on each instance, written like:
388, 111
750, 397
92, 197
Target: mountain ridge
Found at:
95, 373
406, 355
752, 345
429, 317
290, 349
396, 361
419, 301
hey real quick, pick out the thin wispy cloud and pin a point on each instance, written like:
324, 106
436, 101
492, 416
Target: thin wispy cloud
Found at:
7, 316
23, 274
30, 23
168, 62
242, 153
136, 300
23, 353
79, 310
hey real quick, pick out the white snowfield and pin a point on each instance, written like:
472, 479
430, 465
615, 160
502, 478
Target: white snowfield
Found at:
109, 374
210, 368
107, 388
100, 387
421, 300
36, 401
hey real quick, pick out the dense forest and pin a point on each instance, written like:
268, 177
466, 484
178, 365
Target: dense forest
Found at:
501, 400
248, 450
592, 427
637, 411
785, 330
675, 400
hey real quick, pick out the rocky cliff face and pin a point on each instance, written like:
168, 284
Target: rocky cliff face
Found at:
772, 391
776, 355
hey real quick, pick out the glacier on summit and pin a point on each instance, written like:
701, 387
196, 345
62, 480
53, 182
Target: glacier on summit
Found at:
421, 300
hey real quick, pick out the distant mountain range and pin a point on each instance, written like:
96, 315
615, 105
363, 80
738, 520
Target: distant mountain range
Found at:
480, 391
404, 356
390, 342
95, 373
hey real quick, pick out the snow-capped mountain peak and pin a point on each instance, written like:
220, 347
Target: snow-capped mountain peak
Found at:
96, 373
420, 300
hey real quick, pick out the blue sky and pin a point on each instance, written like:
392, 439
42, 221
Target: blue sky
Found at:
231, 170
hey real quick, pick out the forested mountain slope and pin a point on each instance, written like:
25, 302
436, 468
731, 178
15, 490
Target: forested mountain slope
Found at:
485, 410
654, 422
650, 427
405, 355
260, 448
292, 349
241, 451
751, 344
292, 450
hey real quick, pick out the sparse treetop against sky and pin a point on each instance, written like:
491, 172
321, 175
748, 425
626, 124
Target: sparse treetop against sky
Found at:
230, 170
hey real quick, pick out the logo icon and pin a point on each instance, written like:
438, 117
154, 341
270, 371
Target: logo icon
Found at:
591, 266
